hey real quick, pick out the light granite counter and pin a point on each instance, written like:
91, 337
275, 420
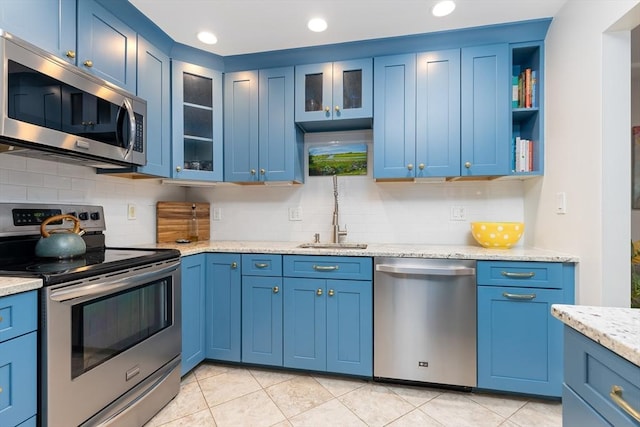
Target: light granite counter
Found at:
617, 329
373, 249
14, 285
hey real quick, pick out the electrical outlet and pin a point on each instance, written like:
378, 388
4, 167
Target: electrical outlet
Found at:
131, 211
458, 213
295, 214
217, 214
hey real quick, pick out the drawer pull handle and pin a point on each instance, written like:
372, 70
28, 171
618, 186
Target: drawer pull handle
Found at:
511, 275
276, 289
519, 296
325, 267
261, 265
616, 396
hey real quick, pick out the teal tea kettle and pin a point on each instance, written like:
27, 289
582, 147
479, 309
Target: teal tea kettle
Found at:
60, 242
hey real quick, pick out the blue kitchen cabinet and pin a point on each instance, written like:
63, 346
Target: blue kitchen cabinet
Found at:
48, 24
334, 95
155, 65
600, 387
519, 341
18, 358
261, 140
197, 122
223, 295
328, 316
485, 94
106, 45
193, 311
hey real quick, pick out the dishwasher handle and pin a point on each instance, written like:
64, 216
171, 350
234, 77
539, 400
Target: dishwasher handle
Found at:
426, 271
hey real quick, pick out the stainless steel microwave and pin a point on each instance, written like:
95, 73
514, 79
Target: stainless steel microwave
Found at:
54, 110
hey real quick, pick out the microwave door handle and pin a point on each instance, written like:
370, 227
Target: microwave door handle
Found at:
126, 106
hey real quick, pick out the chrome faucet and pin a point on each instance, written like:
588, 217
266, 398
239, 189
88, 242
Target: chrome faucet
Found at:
335, 223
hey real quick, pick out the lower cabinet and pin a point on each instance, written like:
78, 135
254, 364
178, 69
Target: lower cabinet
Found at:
519, 341
328, 317
193, 311
18, 359
601, 388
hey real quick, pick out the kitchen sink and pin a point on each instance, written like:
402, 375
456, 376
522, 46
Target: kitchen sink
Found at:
334, 245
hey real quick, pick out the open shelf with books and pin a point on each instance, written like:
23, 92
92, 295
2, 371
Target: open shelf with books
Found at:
527, 108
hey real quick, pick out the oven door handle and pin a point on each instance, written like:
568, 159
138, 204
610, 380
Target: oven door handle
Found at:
98, 289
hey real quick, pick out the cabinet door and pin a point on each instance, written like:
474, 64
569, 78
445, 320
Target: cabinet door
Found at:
48, 24
279, 152
305, 322
394, 129
241, 126
485, 110
107, 47
314, 92
223, 307
18, 379
352, 89
154, 65
438, 114
349, 327
262, 320
193, 311
197, 122
519, 341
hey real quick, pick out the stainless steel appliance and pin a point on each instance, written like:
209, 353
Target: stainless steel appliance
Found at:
54, 110
425, 320
110, 321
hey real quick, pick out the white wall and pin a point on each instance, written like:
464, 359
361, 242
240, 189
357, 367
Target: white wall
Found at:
587, 148
32, 180
635, 112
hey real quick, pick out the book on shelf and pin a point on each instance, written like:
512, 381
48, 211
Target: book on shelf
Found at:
522, 159
525, 88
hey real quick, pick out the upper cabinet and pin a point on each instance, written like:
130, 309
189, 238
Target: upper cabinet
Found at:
197, 122
48, 24
106, 45
334, 95
261, 140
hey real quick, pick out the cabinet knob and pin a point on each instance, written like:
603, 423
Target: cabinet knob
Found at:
88, 63
337, 108
234, 265
421, 166
178, 168
70, 54
252, 171
1, 319
327, 109
319, 292
0, 389
276, 289
410, 166
467, 165
331, 292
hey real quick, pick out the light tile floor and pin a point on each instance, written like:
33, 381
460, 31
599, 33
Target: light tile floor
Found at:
223, 395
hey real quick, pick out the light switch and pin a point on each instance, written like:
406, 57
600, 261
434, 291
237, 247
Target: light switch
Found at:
561, 203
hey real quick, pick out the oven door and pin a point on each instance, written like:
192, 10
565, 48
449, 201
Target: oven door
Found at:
103, 336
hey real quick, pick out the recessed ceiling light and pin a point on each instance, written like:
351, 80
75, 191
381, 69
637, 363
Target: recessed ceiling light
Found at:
443, 8
317, 25
207, 37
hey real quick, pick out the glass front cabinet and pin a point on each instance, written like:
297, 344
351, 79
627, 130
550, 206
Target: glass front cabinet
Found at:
334, 91
197, 122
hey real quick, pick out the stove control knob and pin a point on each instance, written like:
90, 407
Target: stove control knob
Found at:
95, 216
83, 216
72, 214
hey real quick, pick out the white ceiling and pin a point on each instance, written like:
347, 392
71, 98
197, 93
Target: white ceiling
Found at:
248, 26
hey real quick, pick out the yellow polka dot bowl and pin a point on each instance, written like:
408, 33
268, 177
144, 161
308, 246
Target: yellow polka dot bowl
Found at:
497, 235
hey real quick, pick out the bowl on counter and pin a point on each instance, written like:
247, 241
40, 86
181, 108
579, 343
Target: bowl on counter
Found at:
497, 235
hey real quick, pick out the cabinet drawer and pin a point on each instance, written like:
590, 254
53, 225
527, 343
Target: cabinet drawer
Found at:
261, 265
18, 379
577, 413
328, 267
522, 274
18, 314
592, 370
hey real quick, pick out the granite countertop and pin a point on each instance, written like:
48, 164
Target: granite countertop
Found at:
615, 328
374, 249
14, 285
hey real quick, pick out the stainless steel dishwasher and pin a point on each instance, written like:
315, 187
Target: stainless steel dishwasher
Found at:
425, 320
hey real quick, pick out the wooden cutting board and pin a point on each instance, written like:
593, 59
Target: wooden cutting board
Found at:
172, 221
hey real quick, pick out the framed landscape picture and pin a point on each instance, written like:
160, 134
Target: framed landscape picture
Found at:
338, 159
635, 167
